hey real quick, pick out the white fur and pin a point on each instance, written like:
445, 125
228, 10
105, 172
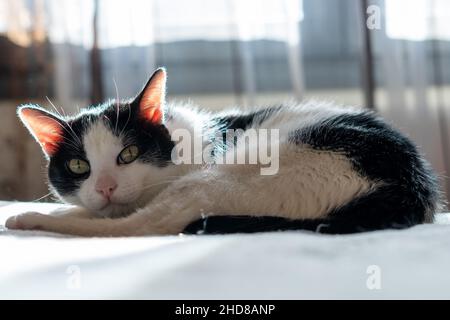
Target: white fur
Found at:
136, 182
309, 183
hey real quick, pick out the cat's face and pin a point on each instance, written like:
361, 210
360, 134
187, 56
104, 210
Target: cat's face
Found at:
111, 158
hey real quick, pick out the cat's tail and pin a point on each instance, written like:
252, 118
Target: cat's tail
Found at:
388, 207
249, 224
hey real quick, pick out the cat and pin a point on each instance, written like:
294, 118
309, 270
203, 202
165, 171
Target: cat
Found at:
340, 170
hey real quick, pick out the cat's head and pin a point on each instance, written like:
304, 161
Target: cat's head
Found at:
109, 158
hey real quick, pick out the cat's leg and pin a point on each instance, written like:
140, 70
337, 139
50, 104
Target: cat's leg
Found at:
203, 192
74, 212
306, 187
222, 190
68, 224
32, 220
60, 213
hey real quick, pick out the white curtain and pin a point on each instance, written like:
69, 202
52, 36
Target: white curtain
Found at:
413, 59
141, 26
242, 51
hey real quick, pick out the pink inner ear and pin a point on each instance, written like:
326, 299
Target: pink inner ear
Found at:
152, 101
47, 130
153, 114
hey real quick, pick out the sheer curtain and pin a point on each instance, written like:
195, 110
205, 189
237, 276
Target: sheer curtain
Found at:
237, 52
198, 39
413, 56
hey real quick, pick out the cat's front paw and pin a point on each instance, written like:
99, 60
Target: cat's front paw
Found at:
26, 221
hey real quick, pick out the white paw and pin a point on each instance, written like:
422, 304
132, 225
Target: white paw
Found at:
27, 221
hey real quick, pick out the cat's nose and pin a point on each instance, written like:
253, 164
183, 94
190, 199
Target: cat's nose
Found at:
106, 185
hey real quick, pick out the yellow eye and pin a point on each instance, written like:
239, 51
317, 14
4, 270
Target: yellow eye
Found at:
128, 155
78, 166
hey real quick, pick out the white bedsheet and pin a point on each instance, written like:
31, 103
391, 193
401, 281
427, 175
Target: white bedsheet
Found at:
412, 263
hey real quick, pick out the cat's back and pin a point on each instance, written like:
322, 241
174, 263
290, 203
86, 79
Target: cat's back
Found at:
285, 117
376, 150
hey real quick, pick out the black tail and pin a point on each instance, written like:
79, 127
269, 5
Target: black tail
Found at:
388, 207
247, 224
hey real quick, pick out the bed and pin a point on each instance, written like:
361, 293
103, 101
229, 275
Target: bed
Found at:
410, 264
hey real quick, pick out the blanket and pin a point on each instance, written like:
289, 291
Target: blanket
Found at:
388, 264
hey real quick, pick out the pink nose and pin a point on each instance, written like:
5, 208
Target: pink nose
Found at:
106, 185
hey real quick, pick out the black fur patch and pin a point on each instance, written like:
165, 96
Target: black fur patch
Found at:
153, 141
408, 188
245, 121
236, 122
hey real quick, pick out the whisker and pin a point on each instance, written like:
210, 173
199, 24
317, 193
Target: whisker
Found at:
129, 116
177, 177
71, 144
158, 184
54, 107
108, 119
76, 136
64, 128
117, 104
64, 116
44, 196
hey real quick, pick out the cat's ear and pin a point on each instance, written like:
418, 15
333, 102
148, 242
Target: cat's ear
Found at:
151, 100
44, 126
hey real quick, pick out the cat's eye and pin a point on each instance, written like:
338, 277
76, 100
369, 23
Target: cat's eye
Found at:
78, 166
128, 155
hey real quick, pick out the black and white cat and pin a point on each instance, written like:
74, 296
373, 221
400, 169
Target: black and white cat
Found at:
339, 170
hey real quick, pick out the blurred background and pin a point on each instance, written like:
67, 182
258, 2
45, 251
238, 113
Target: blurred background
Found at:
391, 56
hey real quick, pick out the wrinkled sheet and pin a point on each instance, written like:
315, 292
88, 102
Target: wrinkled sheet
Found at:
413, 263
